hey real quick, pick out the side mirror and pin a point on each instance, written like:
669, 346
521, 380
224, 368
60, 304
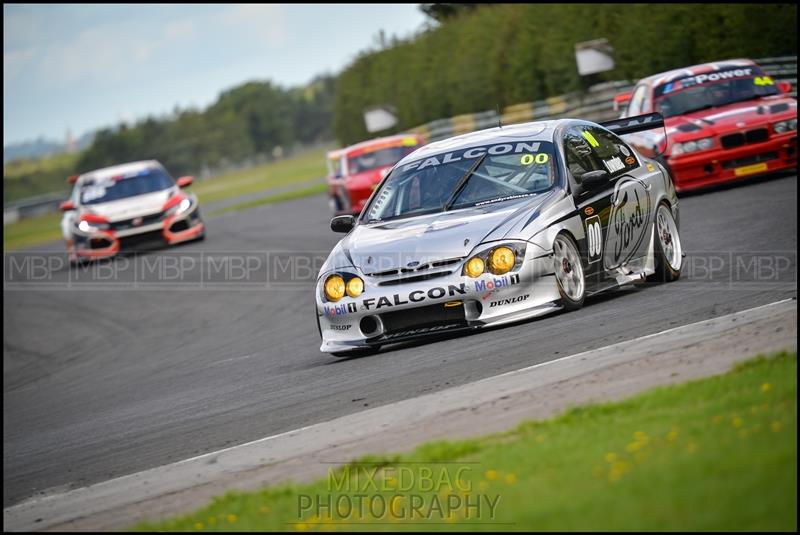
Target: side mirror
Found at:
66, 206
784, 86
621, 100
343, 223
184, 181
594, 179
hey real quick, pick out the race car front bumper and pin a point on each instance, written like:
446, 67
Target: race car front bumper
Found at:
708, 168
444, 302
105, 243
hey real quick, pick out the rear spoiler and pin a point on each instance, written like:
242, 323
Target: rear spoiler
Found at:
637, 123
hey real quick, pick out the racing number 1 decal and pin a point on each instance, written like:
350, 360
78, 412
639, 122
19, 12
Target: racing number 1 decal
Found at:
594, 238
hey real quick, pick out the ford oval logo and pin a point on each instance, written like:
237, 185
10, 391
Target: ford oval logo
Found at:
629, 222
412, 264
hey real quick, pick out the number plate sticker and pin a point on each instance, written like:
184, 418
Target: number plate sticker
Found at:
750, 169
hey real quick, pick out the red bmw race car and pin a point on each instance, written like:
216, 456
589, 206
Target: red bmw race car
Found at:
353, 172
724, 121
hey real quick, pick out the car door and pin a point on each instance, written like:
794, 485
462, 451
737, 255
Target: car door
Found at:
593, 205
631, 206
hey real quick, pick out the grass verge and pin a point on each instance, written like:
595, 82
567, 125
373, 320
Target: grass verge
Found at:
295, 170
31, 231
713, 454
316, 189
300, 168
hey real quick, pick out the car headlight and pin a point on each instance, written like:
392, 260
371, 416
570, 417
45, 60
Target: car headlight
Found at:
86, 226
501, 260
355, 287
334, 287
179, 208
693, 146
498, 259
784, 126
475, 267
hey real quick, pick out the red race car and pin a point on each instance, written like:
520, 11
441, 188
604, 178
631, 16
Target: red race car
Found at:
353, 172
724, 121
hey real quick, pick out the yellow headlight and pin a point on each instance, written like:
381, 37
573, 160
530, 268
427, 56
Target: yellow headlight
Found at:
334, 287
502, 260
474, 267
355, 287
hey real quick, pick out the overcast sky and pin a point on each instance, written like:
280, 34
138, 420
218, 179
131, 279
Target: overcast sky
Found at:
86, 66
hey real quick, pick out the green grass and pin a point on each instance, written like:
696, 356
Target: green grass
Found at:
713, 454
316, 189
32, 231
294, 170
300, 168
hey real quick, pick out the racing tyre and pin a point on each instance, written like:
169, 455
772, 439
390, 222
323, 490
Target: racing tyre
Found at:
570, 277
667, 248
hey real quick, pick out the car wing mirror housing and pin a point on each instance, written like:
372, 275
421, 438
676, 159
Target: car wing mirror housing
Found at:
594, 179
343, 223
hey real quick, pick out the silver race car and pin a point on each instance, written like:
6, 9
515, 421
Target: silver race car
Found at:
497, 226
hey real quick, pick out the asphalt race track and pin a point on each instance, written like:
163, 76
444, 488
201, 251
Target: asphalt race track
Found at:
114, 368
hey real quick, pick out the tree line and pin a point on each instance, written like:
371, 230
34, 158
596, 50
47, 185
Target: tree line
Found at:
483, 56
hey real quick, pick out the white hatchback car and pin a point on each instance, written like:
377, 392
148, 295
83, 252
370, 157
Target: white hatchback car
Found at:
126, 204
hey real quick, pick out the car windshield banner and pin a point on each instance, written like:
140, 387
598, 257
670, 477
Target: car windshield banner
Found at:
709, 77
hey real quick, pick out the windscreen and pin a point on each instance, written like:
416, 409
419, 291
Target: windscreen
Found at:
377, 159
712, 90
121, 186
463, 178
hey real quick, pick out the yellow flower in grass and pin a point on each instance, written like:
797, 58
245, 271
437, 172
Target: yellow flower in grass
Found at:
737, 422
491, 474
199, 526
766, 387
611, 457
511, 479
483, 485
691, 447
231, 519
775, 426
633, 447
300, 526
672, 436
